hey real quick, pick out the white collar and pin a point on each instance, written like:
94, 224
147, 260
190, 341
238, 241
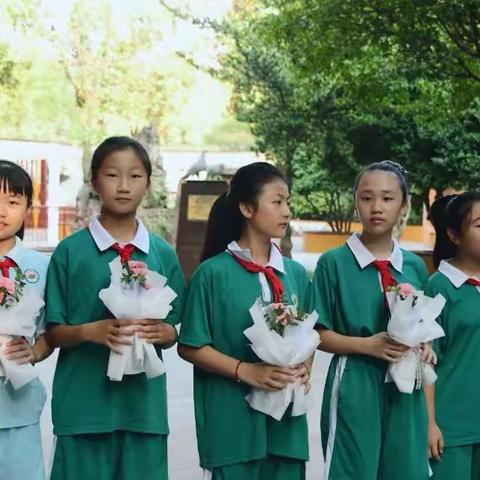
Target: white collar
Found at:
15, 253
365, 257
104, 240
275, 261
456, 276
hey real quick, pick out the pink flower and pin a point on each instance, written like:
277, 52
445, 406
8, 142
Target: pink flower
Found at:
285, 322
139, 272
135, 264
147, 285
281, 317
139, 269
8, 284
405, 290
2, 295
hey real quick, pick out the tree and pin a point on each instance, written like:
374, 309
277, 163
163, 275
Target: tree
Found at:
155, 214
8, 69
357, 97
443, 35
326, 90
268, 93
11, 73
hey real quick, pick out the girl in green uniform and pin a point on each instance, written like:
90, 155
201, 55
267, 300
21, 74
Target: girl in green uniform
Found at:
454, 427
108, 430
239, 264
370, 431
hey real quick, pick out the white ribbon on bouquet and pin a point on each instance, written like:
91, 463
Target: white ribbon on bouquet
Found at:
413, 325
135, 301
19, 321
296, 345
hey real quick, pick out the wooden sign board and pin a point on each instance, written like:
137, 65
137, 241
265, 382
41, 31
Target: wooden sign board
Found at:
199, 207
196, 200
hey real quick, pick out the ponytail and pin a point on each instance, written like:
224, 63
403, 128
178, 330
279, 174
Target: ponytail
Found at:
224, 226
226, 221
450, 213
444, 248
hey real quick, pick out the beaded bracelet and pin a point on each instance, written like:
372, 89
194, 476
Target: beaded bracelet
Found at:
309, 370
236, 371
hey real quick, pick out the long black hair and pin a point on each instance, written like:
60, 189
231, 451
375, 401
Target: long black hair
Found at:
115, 144
14, 179
226, 222
390, 167
450, 213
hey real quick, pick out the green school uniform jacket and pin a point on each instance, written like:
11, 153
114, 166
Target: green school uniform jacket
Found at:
85, 400
216, 313
457, 390
369, 429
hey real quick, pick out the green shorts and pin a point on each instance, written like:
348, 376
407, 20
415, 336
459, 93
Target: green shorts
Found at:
120, 455
371, 431
458, 463
269, 468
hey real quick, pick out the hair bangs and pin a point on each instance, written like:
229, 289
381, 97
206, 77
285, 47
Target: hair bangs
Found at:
15, 180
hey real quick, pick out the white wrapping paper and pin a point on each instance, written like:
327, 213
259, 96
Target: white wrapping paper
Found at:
134, 301
296, 346
19, 321
411, 326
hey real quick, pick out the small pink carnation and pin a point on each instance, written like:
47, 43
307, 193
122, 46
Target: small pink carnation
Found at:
285, 322
281, 317
405, 290
137, 266
148, 285
8, 284
2, 295
139, 272
139, 269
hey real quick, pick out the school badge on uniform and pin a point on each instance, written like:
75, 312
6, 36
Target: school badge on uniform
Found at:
32, 276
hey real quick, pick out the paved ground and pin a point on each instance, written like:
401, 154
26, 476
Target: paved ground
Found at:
183, 458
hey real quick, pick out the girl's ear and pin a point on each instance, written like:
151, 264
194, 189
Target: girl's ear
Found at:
93, 183
453, 237
246, 210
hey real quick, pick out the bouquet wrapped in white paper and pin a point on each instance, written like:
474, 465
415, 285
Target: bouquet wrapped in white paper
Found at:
412, 323
281, 336
19, 310
136, 292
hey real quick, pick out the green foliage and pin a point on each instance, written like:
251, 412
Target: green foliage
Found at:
8, 69
101, 68
330, 86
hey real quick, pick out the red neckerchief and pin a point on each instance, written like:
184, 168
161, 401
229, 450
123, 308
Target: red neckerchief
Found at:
5, 266
386, 276
124, 252
277, 286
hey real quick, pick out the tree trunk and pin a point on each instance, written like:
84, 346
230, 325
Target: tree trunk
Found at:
155, 214
86, 161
